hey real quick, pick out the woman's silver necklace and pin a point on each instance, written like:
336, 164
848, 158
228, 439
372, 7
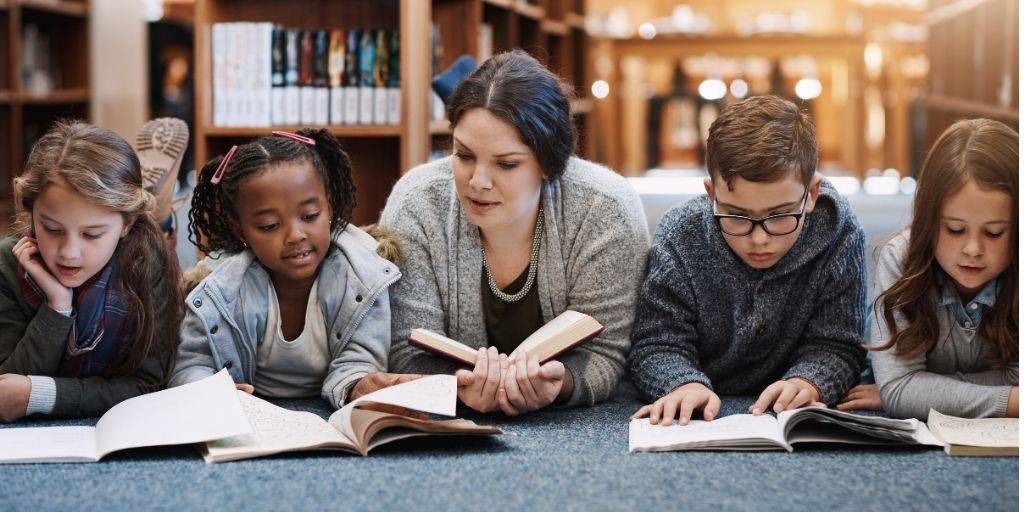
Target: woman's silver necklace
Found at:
537, 232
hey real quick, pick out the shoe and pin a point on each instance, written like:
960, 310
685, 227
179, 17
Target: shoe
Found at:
160, 144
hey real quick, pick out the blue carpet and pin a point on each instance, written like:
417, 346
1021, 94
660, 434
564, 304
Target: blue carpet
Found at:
570, 459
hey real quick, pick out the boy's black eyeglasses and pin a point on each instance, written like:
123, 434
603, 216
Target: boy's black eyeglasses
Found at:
776, 225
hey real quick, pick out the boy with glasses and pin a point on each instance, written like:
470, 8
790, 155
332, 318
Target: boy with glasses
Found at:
758, 288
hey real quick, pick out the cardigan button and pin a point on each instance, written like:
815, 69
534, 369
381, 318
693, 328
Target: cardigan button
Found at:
760, 330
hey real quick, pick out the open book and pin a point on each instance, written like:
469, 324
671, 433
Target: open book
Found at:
562, 334
991, 437
196, 412
767, 432
351, 428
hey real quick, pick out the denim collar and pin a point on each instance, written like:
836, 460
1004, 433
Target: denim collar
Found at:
986, 297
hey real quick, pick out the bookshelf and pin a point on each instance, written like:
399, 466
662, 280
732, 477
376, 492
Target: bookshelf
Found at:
37, 87
551, 30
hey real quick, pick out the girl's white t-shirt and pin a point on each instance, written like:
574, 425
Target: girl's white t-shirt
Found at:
296, 368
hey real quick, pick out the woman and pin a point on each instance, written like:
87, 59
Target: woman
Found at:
509, 232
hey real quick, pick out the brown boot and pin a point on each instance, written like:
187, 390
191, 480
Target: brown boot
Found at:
160, 144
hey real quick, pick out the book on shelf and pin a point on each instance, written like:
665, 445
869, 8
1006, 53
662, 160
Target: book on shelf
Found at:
335, 74
778, 432
983, 437
351, 77
321, 54
562, 334
200, 411
394, 108
307, 87
277, 70
292, 95
381, 74
352, 428
367, 57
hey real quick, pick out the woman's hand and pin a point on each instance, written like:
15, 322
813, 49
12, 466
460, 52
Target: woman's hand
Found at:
479, 388
528, 385
14, 393
58, 296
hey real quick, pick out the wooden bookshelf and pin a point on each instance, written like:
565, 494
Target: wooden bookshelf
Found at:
379, 154
26, 113
550, 30
960, 85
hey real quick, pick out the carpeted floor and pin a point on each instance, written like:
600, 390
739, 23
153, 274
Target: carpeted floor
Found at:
561, 459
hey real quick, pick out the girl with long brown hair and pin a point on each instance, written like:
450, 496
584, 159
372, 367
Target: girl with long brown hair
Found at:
89, 299
945, 330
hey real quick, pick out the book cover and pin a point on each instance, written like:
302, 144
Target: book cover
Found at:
381, 75
351, 77
367, 57
322, 99
980, 437
336, 72
307, 89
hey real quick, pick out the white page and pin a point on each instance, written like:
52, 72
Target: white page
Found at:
739, 430
275, 429
434, 394
198, 411
48, 444
985, 432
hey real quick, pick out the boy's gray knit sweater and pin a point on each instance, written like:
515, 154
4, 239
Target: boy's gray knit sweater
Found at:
706, 316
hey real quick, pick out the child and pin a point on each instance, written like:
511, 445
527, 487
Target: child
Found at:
300, 306
758, 287
89, 293
950, 283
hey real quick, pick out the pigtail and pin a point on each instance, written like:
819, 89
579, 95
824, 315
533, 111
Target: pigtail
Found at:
209, 219
341, 190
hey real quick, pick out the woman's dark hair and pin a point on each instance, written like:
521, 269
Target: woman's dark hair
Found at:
521, 91
211, 219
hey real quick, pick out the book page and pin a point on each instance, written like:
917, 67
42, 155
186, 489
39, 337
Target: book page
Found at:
433, 394
986, 432
442, 345
736, 432
274, 430
48, 444
557, 335
196, 412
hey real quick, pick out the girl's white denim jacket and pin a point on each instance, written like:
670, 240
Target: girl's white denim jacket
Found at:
226, 315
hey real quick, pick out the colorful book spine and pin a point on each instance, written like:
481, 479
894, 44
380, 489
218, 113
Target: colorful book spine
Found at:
321, 82
394, 80
381, 74
307, 89
292, 108
277, 69
335, 73
351, 78
367, 57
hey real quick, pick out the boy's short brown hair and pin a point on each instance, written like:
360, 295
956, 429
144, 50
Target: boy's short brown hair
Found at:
762, 139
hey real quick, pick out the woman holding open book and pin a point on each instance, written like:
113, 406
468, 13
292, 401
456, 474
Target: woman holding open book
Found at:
508, 233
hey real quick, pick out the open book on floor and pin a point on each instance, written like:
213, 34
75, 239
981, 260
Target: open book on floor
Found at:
351, 428
767, 432
196, 412
987, 437
562, 334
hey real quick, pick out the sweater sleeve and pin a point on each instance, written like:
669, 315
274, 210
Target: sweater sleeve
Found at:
603, 284
907, 389
416, 300
664, 354
830, 353
95, 395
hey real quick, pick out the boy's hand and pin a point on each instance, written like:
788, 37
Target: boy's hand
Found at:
685, 399
379, 380
863, 397
58, 296
786, 394
479, 388
14, 393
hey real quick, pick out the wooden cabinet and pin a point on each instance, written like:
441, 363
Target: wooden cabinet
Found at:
552, 30
44, 74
